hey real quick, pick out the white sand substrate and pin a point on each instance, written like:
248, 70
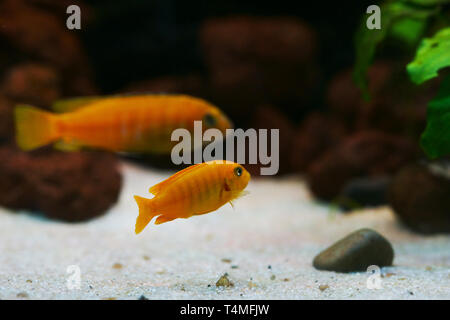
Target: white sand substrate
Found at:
271, 238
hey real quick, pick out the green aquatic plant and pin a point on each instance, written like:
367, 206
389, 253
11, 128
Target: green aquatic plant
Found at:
407, 21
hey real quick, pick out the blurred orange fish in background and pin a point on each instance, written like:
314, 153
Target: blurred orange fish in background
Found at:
196, 190
132, 123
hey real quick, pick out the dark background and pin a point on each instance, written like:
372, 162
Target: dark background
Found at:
134, 40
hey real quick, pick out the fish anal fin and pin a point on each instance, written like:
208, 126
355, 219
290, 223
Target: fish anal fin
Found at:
155, 189
163, 219
66, 146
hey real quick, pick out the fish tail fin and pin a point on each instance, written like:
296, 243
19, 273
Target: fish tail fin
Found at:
146, 213
34, 127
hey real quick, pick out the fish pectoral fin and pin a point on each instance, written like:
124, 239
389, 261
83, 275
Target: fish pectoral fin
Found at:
237, 195
163, 218
72, 104
240, 194
226, 187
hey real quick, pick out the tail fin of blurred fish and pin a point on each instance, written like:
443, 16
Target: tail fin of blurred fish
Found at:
34, 127
146, 213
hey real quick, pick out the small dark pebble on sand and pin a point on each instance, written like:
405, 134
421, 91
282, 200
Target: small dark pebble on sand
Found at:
356, 252
143, 298
323, 287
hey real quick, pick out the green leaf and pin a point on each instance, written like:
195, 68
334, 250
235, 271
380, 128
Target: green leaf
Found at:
408, 30
432, 55
366, 40
428, 2
435, 140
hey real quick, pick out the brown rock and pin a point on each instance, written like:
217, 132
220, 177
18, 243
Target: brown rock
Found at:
356, 252
366, 153
64, 186
419, 195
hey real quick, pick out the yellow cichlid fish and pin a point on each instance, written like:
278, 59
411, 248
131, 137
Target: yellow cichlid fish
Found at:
196, 190
132, 123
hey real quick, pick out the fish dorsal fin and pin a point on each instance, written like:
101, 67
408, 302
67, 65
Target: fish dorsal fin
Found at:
158, 187
72, 104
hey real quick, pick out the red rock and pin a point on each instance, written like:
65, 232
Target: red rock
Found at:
316, 135
33, 84
6, 120
419, 195
344, 97
366, 153
272, 61
191, 84
64, 186
396, 105
268, 117
37, 33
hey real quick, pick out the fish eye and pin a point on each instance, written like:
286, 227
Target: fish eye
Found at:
209, 120
238, 171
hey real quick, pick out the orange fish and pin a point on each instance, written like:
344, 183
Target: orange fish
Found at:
133, 123
196, 190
